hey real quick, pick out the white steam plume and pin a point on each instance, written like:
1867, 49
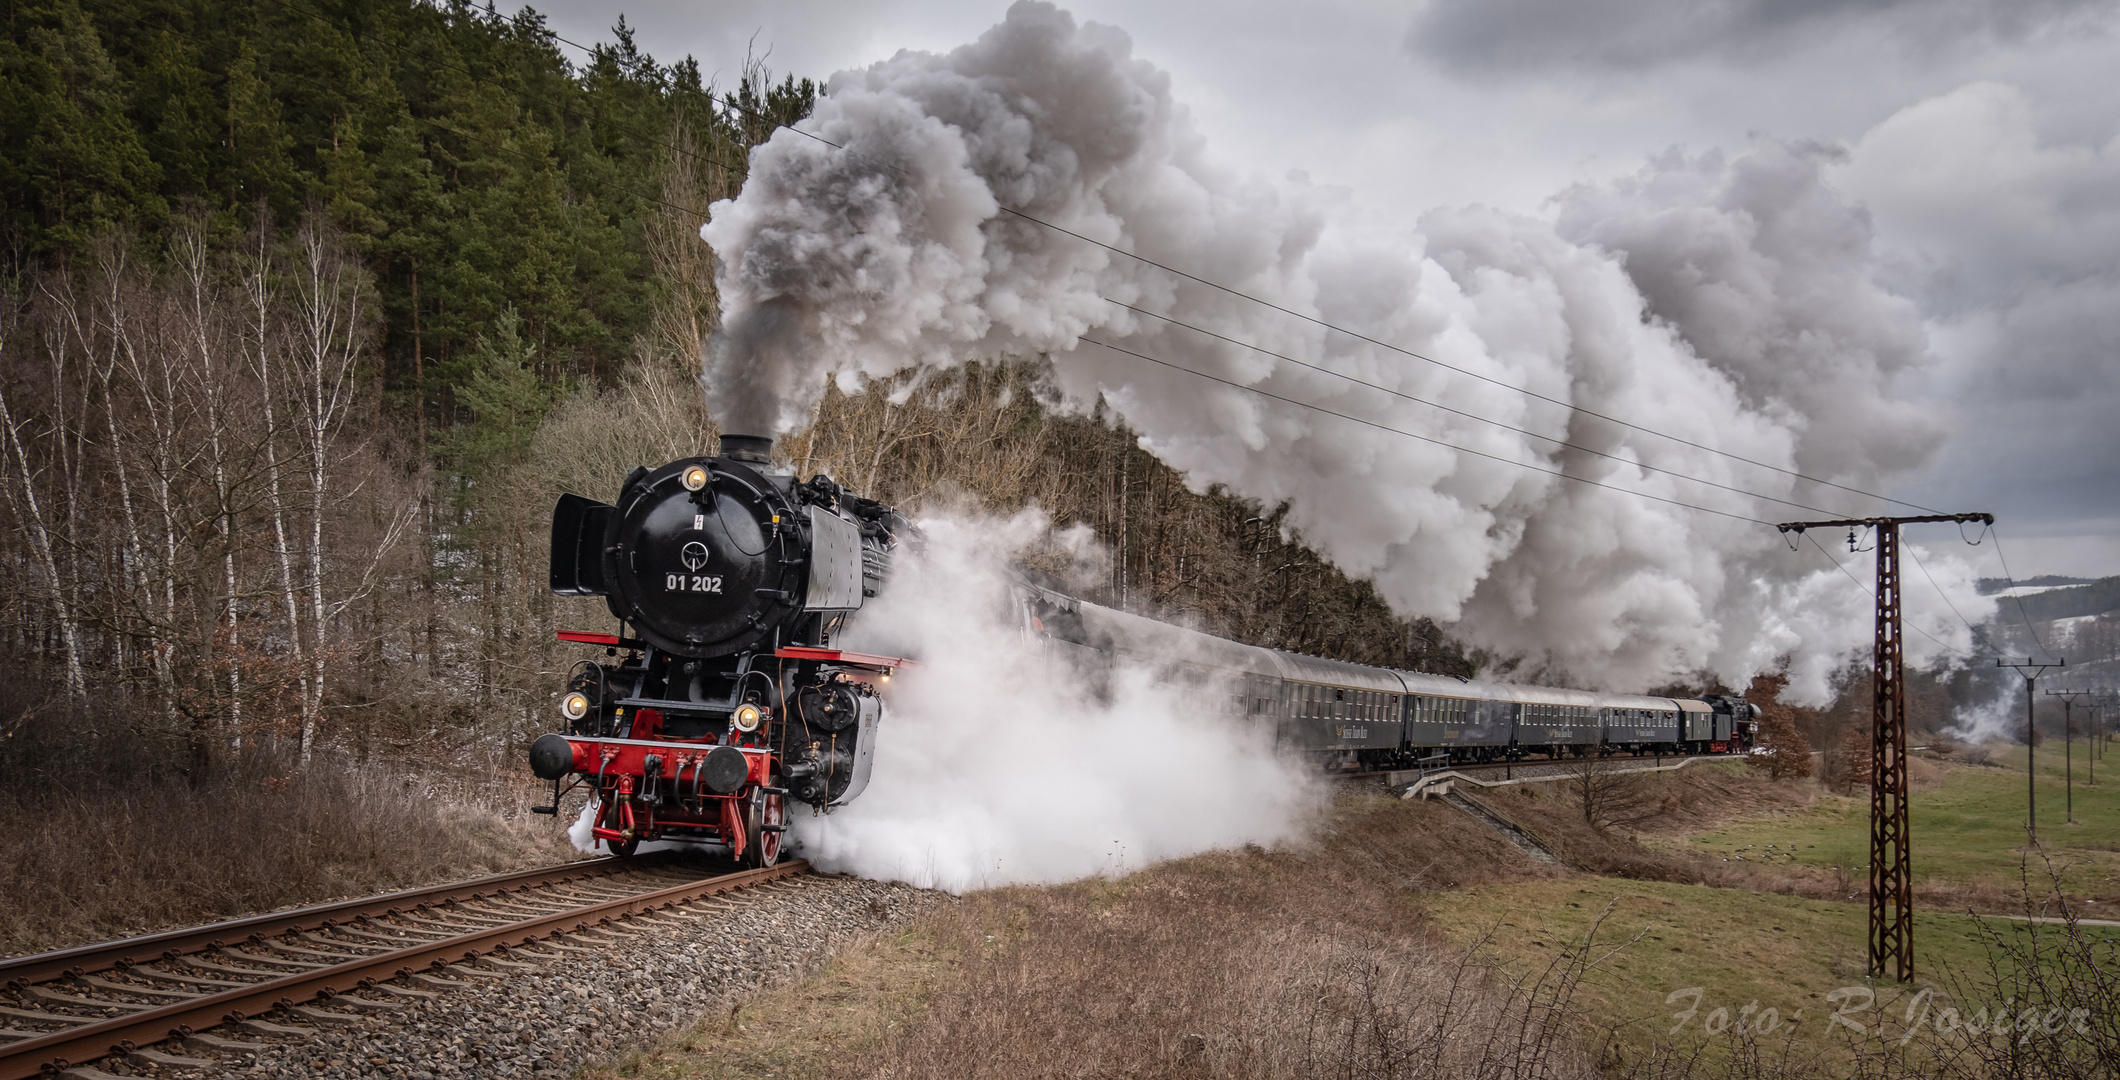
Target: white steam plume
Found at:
995, 765
1731, 304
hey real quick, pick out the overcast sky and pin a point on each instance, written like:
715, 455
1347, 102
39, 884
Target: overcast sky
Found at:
1980, 135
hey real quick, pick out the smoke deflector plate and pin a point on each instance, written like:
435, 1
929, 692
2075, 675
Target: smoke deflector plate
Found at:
835, 563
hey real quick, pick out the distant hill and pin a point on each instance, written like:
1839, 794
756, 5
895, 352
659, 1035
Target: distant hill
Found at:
2091, 598
1989, 586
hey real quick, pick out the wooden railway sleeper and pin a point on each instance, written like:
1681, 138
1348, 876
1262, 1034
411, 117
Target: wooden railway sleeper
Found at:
304, 950
321, 1016
425, 979
401, 941
319, 939
275, 961
229, 969
203, 1041
404, 991
267, 1027
144, 972
147, 1056
46, 994
49, 1018
357, 1002
101, 983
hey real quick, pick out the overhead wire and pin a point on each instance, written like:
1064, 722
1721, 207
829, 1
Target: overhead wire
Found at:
1574, 407
568, 111
1460, 412
504, 148
1416, 435
1908, 548
2016, 599
1872, 594
593, 51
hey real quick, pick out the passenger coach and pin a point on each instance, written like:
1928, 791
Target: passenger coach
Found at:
1353, 716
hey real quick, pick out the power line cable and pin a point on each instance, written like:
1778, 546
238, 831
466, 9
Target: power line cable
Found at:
569, 112
1424, 438
1872, 594
1460, 412
1908, 548
2014, 598
842, 147
1357, 335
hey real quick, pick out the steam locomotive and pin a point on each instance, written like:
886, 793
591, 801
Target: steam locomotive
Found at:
721, 699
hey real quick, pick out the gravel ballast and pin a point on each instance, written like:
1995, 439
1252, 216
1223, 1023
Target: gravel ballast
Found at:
644, 977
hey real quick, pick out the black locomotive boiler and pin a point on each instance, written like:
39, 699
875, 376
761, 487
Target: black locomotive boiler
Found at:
721, 697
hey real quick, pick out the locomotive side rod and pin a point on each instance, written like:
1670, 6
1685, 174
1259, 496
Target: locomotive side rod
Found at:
64, 1049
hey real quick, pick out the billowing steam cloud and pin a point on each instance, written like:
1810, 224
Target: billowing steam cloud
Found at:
1731, 304
999, 764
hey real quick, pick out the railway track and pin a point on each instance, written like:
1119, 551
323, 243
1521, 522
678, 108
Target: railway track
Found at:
1526, 769
318, 966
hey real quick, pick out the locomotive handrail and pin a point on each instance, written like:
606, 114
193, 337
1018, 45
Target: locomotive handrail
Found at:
841, 656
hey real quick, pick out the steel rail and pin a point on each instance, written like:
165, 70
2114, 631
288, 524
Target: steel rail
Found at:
87, 959
61, 1050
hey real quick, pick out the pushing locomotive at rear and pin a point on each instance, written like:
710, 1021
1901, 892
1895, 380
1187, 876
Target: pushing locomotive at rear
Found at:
720, 700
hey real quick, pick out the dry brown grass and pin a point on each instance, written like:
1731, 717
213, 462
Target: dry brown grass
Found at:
1315, 963
104, 839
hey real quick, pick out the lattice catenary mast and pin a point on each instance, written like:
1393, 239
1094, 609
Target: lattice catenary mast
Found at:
1891, 866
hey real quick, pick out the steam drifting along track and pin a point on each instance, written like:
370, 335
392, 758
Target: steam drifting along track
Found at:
176, 984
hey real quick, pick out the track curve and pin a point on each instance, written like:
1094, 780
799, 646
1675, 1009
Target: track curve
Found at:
174, 985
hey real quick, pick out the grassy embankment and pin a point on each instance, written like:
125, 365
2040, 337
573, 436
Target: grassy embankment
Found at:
1407, 930
94, 851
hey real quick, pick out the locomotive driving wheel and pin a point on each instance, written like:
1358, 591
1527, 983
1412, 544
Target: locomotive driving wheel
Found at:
765, 816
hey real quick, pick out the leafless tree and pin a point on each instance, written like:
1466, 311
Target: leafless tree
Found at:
1608, 796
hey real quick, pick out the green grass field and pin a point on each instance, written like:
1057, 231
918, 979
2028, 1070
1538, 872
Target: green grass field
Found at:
1968, 830
1731, 948
1738, 948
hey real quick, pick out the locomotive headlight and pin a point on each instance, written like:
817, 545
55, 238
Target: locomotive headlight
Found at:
694, 478
574, 706
748, 717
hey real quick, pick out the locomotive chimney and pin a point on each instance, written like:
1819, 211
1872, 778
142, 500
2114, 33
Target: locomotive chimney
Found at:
752, 449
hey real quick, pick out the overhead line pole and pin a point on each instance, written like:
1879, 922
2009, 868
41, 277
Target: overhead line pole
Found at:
1891, 861
2068, 746
2031, 673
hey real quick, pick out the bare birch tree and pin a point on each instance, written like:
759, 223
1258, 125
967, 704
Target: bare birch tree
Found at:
22, 495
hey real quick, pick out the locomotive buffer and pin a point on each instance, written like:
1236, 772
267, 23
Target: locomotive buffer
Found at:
1891, 867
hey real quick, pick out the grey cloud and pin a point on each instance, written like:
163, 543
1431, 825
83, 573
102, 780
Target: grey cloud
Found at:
2012, 245
1629, 34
